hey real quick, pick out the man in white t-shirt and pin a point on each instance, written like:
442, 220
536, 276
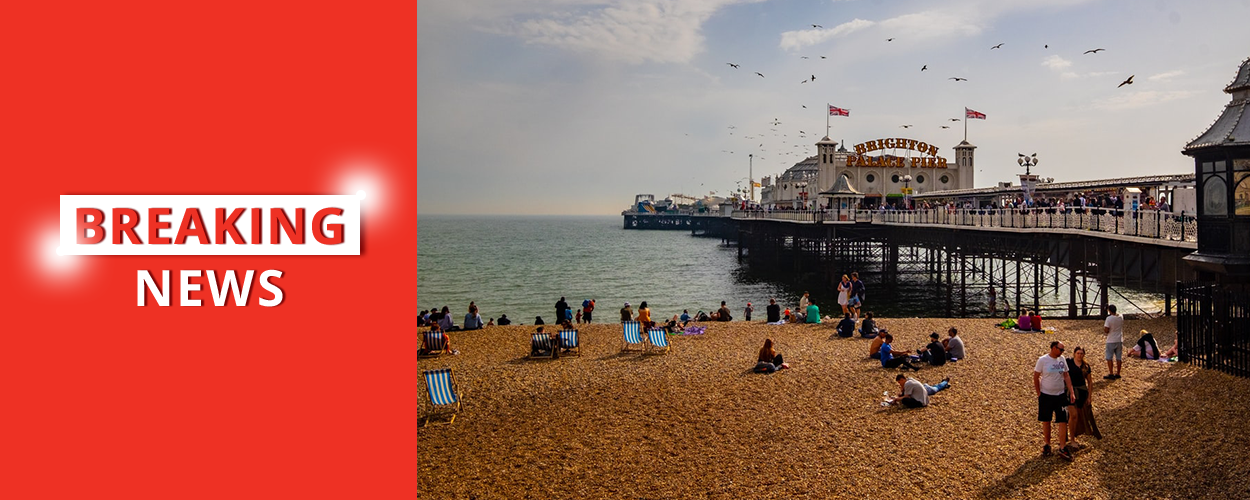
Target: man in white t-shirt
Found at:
1114, 328
1054, 394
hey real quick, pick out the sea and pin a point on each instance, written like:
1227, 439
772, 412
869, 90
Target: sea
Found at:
522, 265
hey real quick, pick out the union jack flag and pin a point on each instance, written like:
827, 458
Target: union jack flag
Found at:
836, 111
968, 113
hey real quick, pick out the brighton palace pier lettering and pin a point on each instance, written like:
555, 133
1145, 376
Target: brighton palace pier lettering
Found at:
859, 159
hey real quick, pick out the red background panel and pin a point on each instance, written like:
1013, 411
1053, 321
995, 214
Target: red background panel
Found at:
315, 398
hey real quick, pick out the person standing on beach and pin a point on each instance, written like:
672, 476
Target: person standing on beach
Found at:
1114, 328
627, 313
561, 307
804, 301
858, 288
1054, 391
746, 313
588, 307
844, 293
774, 311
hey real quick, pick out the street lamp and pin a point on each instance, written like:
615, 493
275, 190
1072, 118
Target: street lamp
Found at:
1028, 162
907, 191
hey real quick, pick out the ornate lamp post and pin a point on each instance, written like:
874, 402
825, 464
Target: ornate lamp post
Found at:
1028, 181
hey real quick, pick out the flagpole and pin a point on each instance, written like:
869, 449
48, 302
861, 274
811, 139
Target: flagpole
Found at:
965, 124
827, 113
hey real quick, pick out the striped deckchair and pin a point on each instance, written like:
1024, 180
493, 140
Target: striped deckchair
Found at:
568, 341
658, 338
543, 342
432, 345
441, 385
632, 335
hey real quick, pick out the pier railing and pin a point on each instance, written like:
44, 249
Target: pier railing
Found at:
1154, 224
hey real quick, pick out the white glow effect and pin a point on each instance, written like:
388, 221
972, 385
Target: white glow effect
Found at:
360, 195
47, 249
364, 176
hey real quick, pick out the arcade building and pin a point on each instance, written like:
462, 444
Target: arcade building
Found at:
885, 171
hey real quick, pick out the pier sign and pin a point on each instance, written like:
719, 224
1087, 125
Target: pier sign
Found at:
860, 158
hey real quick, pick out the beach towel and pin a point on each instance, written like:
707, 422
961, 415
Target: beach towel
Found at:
1049, 329
1009, 324
782, 322
694, 330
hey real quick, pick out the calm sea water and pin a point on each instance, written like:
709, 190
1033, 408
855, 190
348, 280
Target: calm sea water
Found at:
521, 265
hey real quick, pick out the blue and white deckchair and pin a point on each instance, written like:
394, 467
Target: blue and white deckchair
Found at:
432, 345
442, 389
542, 342
632, 335
568, 341
658, 338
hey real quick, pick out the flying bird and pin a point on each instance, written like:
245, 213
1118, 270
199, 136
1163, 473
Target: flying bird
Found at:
823, 57
889, 39
999, 46
1126, 82
804, 57
1094, 51
813, 78
818, 26
946, 126
761, 74
804, 106
804, 81
905, 126
1047, 46
953, 119
958, 79
924, 68
732, 65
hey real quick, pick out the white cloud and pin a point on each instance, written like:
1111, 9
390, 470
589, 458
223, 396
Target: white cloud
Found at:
793, 40
634, 31
933, 24
1056, 63
1140, 99
1166, 76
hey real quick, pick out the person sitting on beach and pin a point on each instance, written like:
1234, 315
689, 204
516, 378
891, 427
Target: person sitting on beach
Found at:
434, 328
868, 329
1146, 347
891, 358
846, 327
627, 313
503, 320
444, 321
954, 345
722, 314
1025, 322
473, 320
934, 353
813, 313
773, 311
914, 393
1035, 321
787, 315
491, 322
874, 350
685, 317
538, 320
769, 361
421, 317
671, 325
644, 315
536, 349
702, 316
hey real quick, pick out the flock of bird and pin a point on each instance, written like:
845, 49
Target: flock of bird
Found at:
801, 146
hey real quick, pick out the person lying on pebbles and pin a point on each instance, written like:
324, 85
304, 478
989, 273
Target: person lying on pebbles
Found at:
914, 393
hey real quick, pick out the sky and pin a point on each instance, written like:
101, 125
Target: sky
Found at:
572, 107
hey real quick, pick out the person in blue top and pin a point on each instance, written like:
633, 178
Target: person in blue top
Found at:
846, 327
858, 288
891, 358
473, 320
685, 317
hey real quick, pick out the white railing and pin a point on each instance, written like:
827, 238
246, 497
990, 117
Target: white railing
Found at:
1171, 226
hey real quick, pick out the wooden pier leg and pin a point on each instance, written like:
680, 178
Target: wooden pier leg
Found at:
963, 287
1017, 287
1071, 294
1103, 299
1167, 304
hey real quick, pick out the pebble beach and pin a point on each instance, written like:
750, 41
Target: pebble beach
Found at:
696, 422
